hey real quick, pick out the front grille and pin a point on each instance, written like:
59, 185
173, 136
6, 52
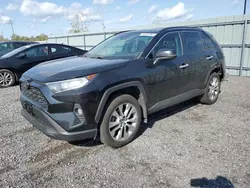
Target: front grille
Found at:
35, 95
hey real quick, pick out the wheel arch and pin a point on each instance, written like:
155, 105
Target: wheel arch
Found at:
123, 88
217, 69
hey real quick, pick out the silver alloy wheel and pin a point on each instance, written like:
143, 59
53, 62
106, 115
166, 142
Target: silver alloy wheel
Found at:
5, 79
123, 121
213, 89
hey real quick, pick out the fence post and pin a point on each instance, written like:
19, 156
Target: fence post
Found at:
68, 40
243, 45
105, 35
84, 42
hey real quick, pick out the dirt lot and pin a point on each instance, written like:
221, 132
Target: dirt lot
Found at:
177, 148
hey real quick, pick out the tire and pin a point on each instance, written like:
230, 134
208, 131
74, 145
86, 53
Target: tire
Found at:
212, 89
7, 78
118, 129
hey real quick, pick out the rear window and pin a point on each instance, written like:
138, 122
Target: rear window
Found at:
207, 42
192, 42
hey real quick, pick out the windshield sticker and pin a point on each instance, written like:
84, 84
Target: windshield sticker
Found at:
148, 34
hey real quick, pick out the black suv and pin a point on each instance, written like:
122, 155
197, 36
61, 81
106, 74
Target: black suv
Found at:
118, 83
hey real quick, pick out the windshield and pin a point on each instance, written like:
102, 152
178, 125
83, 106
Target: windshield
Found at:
126, 45
14, 52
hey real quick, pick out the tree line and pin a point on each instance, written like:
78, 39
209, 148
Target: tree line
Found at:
41, 37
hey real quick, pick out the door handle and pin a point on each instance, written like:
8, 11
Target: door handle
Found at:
209, 57
184, 66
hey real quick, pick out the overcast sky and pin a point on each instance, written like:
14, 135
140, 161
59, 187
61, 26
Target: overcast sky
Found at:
32, 17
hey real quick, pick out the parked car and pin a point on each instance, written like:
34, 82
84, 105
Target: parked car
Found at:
6, 47
16, 62
120, 82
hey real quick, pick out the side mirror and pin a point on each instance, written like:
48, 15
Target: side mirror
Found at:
21, 55
165, 54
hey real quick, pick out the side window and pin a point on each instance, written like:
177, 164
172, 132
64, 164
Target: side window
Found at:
169, 41
18, 45
11, 46
192, 42
207, 42
37, 51
60, 50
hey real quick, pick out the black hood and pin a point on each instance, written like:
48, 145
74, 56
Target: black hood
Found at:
72, 67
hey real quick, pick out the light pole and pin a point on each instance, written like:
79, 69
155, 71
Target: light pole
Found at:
243, 38
12, 27
245, 7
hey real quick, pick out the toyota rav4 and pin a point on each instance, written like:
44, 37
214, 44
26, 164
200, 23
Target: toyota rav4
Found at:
116, 85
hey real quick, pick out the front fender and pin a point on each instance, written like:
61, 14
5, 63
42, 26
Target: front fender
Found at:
142, 99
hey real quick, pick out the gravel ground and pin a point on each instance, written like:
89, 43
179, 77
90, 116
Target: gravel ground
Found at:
189, 145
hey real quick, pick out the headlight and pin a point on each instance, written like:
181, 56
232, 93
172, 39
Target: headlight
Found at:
57, 87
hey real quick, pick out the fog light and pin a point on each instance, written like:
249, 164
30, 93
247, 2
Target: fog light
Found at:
79, 111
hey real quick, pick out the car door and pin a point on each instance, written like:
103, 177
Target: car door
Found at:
31, 57
212, 51
169, 76
193, 47
59, 51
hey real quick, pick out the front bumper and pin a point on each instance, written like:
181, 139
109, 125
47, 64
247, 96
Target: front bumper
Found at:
56, 115
49, 127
